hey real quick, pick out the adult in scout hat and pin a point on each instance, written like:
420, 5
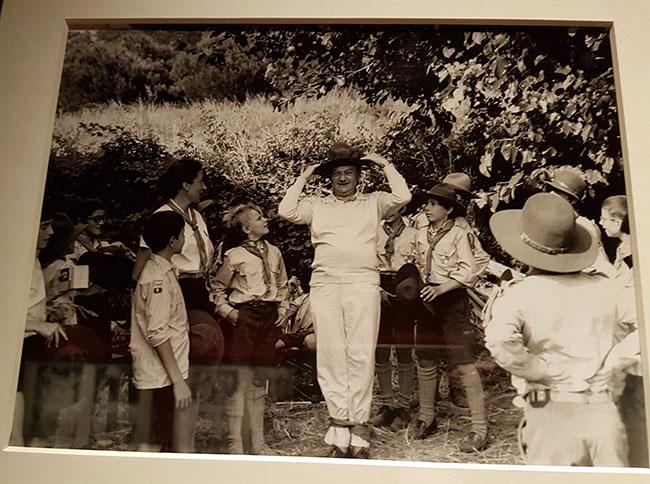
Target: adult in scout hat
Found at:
345, 296
341, 154
444, 258
553, 331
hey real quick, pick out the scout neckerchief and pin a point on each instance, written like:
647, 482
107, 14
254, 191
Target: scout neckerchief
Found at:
389, 246
433, 237
260, 250
87, 242
192, 222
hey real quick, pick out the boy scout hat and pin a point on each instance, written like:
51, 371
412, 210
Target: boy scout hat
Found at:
341, 154
444, 192
408, 282
545, 235
206, 339
568, 182
460, 182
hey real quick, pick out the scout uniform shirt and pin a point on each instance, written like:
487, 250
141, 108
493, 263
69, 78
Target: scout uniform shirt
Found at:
403, 247
157, 315
450, 258
247, 279
554, 331
481, 258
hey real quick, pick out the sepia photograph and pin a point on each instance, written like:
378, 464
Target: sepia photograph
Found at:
347, 241
399, 243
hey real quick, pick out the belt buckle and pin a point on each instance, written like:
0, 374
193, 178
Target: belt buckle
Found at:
539, 398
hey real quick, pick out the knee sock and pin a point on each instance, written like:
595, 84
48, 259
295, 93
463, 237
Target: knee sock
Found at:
427, 381
406, 375
384, 380
474, 390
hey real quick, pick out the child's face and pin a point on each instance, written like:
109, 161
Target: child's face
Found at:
611, 225
45, 231
177, 243
393, 216
256, 225
95, 223
435, 212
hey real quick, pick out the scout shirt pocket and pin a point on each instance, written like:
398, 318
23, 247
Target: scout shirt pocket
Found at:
445, 254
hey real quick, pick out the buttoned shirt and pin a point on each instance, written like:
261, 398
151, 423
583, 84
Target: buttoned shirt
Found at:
157, 315
241, 279
189, 259
344, 233
555, 330
403, 248
451, 258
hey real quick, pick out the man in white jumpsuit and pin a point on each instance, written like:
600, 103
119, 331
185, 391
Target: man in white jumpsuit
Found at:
344, 295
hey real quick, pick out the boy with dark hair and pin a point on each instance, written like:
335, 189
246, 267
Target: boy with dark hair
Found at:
251, 294
160, 343
90, 218
447, 263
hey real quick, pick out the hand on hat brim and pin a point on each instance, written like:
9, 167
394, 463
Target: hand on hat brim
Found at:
505, 225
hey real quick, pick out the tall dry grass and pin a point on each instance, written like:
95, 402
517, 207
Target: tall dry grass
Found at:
254, 121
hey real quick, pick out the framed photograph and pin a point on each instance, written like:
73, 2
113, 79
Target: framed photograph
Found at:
98, 97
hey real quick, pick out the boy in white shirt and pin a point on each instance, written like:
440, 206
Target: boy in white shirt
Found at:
160, 344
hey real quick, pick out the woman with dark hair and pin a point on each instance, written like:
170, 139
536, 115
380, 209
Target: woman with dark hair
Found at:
182, 186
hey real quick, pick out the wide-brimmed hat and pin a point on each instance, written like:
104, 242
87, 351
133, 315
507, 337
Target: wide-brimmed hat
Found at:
545, 235
568, 182
460, 182
341, 154
443, 192
206, 339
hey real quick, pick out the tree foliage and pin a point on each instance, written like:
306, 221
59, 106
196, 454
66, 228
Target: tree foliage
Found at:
506, 105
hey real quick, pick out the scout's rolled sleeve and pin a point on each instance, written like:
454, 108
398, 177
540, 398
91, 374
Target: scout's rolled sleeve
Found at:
158, 315
399, 191
292, 208
504, 339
